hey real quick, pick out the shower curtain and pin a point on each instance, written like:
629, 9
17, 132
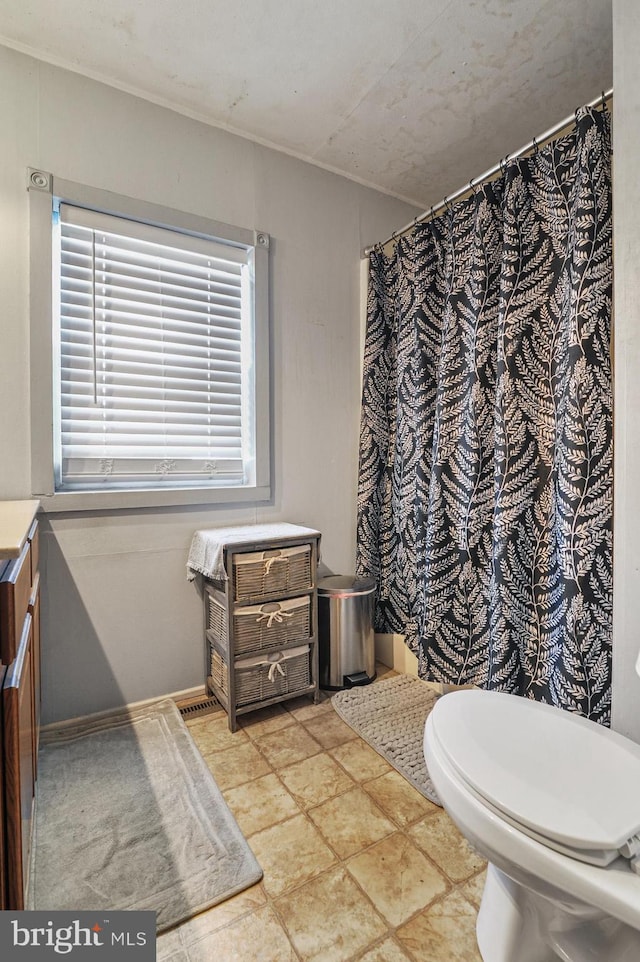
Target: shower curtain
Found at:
485, 482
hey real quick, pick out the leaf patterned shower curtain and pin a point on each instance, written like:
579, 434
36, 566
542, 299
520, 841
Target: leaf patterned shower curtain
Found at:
485, 487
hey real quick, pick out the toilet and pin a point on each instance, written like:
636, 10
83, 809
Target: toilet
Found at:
552, 801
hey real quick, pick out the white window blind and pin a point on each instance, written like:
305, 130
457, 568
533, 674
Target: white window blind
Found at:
155, 354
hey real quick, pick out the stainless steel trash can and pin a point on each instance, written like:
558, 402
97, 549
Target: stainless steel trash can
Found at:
345, 631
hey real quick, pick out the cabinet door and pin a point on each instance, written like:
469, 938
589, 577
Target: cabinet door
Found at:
3, 881
34, 611
19, 770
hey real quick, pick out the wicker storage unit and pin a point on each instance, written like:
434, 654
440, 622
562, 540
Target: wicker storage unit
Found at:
261, 620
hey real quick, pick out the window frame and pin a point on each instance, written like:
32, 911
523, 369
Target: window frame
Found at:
42, 191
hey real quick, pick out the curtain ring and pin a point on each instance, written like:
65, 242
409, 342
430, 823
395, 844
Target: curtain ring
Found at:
503, 164
535, 146
472, 187
604, 101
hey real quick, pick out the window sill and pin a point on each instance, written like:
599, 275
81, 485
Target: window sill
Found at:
69, 501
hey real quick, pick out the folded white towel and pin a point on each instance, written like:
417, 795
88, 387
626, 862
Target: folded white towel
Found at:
206, 555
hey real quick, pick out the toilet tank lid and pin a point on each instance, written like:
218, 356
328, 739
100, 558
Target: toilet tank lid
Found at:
565, 778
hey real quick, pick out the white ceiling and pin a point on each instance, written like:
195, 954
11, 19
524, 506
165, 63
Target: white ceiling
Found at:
414, 97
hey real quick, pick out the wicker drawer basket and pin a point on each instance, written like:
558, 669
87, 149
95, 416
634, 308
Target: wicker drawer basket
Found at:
259, 574
258, 679
261, 627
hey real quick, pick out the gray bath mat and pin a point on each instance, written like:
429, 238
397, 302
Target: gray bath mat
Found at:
130, 817
390, 715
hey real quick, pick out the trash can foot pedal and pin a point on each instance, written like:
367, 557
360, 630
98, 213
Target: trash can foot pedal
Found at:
357, 678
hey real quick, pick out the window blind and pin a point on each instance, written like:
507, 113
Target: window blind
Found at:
155, 355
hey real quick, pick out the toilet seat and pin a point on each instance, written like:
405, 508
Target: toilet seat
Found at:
566, 782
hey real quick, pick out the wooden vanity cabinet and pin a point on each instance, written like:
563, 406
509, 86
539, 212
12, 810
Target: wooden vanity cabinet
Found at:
19, 707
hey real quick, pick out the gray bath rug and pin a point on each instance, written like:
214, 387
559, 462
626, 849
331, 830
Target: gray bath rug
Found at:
130, 817
390, 715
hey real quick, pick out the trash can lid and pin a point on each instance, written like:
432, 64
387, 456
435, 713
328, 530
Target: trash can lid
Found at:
345, 585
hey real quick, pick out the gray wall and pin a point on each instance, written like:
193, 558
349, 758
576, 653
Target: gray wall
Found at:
626, 209
121, 623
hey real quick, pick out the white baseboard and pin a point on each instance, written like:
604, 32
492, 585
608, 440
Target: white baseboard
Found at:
198, 692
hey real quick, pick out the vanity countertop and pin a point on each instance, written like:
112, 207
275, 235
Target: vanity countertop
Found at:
16, 518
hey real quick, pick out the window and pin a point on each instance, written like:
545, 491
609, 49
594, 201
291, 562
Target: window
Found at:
159, 357
153, 336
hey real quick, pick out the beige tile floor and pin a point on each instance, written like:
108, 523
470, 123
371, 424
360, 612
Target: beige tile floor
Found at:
357, 864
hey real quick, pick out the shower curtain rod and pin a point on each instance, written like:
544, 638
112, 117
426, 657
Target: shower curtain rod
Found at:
476, 182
